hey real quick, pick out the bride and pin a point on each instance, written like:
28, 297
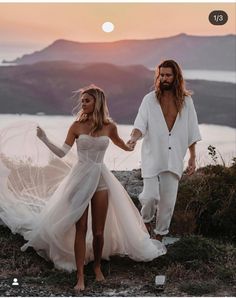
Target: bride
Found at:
72, 213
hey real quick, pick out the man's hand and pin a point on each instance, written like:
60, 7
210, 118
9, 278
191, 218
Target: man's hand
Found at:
191, 166
131, 143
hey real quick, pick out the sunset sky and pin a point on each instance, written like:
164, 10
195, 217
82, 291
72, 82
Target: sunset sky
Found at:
42, 23
28, 27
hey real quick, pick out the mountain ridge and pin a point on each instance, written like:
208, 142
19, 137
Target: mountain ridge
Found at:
190, 51
47, 87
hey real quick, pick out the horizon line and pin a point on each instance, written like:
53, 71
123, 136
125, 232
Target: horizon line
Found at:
119, 40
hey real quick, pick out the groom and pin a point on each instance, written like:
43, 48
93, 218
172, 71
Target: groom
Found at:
168, 123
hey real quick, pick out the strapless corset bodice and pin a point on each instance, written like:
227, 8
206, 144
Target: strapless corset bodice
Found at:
91, 148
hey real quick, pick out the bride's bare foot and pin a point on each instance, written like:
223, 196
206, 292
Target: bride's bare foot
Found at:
80, 285
98, 273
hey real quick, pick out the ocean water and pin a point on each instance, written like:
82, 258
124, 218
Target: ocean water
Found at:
211, 75
223, 138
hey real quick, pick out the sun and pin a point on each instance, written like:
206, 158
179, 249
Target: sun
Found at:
108, 27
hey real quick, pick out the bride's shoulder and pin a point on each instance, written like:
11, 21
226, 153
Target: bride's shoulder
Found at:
111, 125
76, 124
75, 127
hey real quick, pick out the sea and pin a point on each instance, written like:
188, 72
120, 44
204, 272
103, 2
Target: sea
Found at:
223, 138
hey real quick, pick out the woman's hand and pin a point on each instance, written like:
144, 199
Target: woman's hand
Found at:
41, 133
131, 143
129, 147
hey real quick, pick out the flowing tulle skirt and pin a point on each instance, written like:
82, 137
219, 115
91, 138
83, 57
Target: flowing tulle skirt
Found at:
42, 197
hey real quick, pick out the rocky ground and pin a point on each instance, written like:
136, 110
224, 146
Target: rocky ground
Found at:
193, 266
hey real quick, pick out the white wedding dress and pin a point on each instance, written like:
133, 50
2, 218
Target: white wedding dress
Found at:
42, 197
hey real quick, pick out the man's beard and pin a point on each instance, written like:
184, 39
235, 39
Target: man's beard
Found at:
166, 86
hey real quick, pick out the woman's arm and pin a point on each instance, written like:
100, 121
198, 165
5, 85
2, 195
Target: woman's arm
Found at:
113, 135
59, 151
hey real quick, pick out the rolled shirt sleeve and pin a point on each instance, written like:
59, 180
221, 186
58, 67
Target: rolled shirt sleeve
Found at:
193, 128
141, 120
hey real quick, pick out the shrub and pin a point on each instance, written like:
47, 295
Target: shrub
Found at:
206, 203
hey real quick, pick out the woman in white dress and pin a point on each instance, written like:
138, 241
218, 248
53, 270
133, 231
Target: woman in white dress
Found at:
72, 214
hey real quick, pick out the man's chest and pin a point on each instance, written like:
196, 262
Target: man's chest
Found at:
169, 111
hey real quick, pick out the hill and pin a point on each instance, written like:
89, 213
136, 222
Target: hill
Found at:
47, 87
192, 52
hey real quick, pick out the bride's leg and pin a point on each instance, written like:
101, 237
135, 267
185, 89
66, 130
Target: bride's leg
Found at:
99, 205
79, 248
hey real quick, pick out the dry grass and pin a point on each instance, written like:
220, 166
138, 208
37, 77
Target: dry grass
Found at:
193, 266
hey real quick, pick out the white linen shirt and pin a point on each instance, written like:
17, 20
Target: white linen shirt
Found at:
164, 150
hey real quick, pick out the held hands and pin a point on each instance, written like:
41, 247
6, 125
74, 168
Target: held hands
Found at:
41, 134
131, 144
135, 136
129, 147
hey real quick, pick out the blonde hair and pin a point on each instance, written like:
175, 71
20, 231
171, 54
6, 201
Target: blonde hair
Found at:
100, 114
178, 85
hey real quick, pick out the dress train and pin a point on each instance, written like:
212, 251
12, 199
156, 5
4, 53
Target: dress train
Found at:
42, 197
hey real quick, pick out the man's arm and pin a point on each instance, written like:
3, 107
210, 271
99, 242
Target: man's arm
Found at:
140, 124
135, 135
192, 159
193, 128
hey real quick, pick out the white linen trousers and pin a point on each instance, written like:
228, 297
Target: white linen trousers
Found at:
158, 198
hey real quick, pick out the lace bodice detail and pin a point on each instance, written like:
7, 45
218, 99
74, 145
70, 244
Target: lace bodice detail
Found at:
92, 148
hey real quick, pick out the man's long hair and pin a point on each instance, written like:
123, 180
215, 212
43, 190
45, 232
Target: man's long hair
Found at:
179, 89
100, 113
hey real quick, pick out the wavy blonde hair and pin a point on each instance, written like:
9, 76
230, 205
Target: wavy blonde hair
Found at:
100, 114
179, 85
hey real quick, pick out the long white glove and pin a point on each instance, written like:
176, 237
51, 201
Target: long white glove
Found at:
60, 152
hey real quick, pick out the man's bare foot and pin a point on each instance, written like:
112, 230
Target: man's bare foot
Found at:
148, 227
98, 273
159, 237
80, 285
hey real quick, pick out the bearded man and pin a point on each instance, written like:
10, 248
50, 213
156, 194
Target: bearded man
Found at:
167, 122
